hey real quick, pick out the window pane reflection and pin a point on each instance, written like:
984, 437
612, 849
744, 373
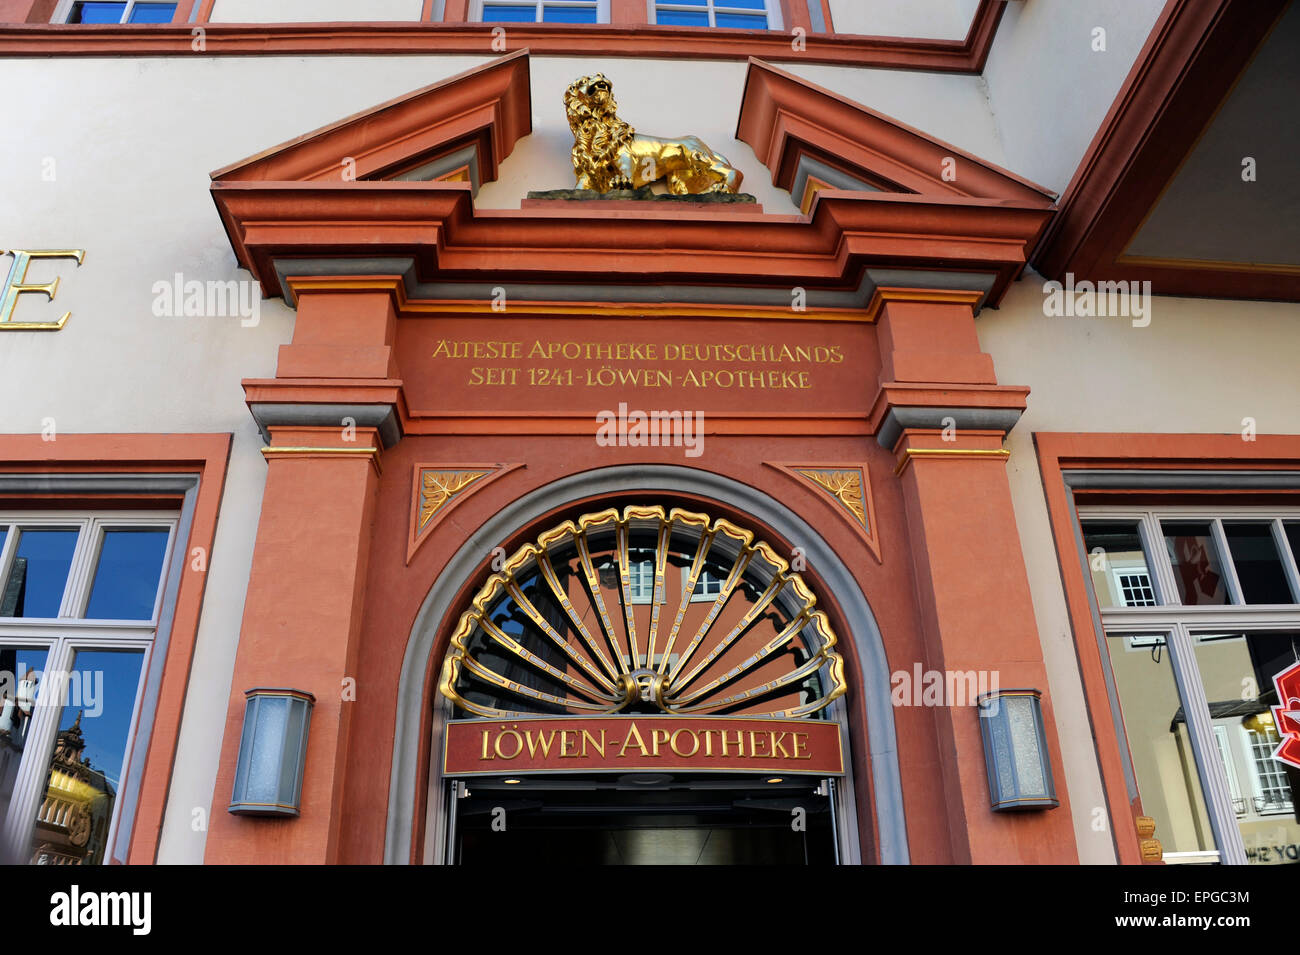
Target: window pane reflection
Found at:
1238, 675
1259, 568
684, 18
1120, 577
20, 673
1196, 564
85, 772
738, 21
126, 579
552, 14
92, 12
39, 573
153, 12
513, 13
1160, 744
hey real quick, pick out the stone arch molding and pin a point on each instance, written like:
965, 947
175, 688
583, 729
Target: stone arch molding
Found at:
862, 633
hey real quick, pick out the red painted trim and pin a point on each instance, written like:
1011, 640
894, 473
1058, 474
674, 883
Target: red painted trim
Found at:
784, 117
794, 13
1058, 453
983, 28
332, 39
488, 105
206, 455
437, 225
1194, 55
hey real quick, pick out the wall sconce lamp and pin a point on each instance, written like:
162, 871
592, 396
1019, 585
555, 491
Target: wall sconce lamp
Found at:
1015, 750
272, 750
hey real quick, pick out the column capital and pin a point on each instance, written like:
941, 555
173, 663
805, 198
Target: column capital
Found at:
905, 406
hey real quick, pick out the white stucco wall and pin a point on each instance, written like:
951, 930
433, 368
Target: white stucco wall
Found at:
936, 19
130, 186
1050, 89
1201, 366
318, 11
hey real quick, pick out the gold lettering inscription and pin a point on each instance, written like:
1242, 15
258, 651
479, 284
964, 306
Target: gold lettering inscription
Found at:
598, 747
627, 740
510, 741
577, 364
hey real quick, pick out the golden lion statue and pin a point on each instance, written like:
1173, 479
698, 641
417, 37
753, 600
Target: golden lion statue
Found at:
608, 154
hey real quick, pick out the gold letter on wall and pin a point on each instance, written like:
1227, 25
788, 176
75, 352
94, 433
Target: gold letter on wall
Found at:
15, 285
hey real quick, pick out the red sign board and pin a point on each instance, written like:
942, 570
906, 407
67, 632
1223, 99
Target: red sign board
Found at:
582, 365
650, 743
1286, 715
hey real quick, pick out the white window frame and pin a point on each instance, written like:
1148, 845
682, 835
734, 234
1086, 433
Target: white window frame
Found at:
1119, 572
772, 8
476, 9
1184, 626
1256, 776
702, 581
66, 635
64, 10
636, 593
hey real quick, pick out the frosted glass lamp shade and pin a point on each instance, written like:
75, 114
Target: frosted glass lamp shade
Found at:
272, 750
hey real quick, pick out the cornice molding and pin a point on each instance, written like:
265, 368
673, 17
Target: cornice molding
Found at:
435, 225
331, 39
788, 120
484, 110
1193, 57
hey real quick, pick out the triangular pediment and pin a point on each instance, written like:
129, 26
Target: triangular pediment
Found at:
404, 214
456, 130
814, 140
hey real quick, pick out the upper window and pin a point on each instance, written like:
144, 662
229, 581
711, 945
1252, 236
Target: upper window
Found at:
1193, 558
729, 14
128, 11
80, 596
540, 11
1200, 609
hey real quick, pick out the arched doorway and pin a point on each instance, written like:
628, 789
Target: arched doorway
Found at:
694, 678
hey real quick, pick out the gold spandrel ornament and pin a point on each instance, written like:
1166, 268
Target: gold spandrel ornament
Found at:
844, 486
609, 154
439, 487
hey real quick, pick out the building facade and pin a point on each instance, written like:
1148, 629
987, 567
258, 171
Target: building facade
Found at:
895, 460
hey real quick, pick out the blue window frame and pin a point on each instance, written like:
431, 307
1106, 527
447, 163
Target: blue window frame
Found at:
725, 14
128, 11
541, 11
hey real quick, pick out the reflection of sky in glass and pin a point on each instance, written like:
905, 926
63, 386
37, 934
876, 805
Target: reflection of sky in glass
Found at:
687, 18
48, 555
740, 21
126, 580
102, 687
552, 14
99, 13
153, 12
514, 13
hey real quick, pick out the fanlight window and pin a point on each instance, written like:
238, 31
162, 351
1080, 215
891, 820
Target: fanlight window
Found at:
558, 630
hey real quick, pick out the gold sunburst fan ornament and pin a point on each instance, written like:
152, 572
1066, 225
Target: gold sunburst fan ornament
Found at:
644, 610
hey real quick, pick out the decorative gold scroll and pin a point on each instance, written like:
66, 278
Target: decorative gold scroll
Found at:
774, 655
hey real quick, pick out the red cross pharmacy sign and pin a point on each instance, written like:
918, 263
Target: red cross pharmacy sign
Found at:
1286, 715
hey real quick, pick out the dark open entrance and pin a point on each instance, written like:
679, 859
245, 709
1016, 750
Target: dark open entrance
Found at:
644, 819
